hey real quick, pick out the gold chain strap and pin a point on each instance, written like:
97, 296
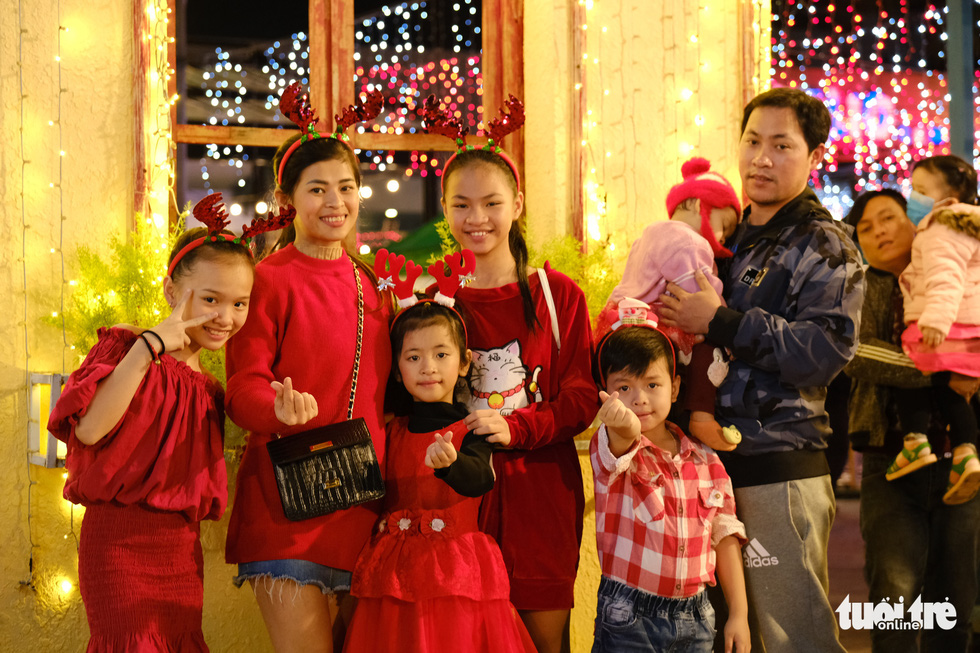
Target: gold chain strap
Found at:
360, 334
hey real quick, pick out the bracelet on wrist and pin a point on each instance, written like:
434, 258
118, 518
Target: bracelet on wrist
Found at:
163, 347
153, 352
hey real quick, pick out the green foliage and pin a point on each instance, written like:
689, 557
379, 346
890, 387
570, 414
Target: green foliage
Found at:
124, 288
591, 270
446, 240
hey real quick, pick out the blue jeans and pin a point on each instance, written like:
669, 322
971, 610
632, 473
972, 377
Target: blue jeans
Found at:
917, 545
629, 619
303, 572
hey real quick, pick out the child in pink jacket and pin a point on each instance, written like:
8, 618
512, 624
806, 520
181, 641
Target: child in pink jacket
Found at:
941, 289
704, 211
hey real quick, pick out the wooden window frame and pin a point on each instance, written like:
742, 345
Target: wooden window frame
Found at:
331, 39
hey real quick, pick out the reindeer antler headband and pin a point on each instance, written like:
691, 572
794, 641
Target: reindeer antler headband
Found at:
294, 104
451, 274
211, 212
441, 121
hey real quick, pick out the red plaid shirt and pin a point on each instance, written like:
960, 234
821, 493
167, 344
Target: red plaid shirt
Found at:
658, 518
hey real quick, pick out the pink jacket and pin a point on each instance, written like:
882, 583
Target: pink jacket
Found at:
942, 283
665, 251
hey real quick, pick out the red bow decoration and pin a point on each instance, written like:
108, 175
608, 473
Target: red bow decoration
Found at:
452, 275
388, 266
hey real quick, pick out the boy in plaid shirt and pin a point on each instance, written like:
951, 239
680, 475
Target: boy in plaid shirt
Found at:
664, 506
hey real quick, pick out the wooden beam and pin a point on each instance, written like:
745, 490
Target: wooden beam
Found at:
503, 65
257, 136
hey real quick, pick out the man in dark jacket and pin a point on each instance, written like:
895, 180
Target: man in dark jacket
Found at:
794, 290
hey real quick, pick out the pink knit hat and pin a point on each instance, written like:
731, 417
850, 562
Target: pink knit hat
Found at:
712, 189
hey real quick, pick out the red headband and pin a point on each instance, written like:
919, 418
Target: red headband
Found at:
211, 212
442, 121
294, 104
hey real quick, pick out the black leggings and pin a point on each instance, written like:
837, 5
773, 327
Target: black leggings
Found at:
915, 408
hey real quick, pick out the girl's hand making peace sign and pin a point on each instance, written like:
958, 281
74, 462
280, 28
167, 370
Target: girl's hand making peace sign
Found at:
173, 330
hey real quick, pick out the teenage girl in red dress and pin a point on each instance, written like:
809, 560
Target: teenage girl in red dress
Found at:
144, 426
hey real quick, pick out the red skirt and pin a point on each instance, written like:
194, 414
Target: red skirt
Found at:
448, 624
141, 576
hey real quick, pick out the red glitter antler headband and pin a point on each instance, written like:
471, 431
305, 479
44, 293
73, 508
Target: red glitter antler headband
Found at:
211, 213
441, 121
388, 266
294, 104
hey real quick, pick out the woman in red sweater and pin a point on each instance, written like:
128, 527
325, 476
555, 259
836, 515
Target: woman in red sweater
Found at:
290, 370
531, 385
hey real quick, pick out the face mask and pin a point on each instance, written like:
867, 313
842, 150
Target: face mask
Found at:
918, 207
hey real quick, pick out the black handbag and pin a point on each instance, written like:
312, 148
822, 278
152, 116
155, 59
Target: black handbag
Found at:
330, 467
326, 469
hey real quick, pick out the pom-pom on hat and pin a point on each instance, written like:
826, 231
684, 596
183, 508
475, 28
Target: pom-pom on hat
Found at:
714, 191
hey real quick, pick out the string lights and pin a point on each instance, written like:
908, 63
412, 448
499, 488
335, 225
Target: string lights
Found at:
643, 113
389, 54
880, 74
52, 580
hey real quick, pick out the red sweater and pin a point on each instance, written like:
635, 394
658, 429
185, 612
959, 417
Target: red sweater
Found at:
535, 509
302, 324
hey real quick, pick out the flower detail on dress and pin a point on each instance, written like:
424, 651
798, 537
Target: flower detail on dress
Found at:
437, 525
404, 523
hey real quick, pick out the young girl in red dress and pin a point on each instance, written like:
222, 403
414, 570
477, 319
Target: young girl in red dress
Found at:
144, 426
429, 580
316, 314
531, 387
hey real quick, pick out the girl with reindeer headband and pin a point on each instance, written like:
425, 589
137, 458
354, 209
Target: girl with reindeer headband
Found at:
316, 353
144, 425
531, 388
429, 580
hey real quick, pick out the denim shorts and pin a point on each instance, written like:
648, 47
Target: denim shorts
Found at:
302, 572
629, 619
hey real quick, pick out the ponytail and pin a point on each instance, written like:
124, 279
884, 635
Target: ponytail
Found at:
518, 249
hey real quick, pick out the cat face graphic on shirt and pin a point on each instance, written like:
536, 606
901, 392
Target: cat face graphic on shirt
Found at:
499, 379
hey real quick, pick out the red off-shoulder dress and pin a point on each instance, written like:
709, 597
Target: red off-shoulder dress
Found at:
146, 485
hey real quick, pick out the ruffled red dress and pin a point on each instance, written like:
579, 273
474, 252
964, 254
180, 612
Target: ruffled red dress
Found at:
429, 580
146, 485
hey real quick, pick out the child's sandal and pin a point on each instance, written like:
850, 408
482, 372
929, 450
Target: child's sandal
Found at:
915, 454
967, 481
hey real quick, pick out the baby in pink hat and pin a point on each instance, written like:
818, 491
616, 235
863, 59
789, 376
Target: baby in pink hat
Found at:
704, 211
